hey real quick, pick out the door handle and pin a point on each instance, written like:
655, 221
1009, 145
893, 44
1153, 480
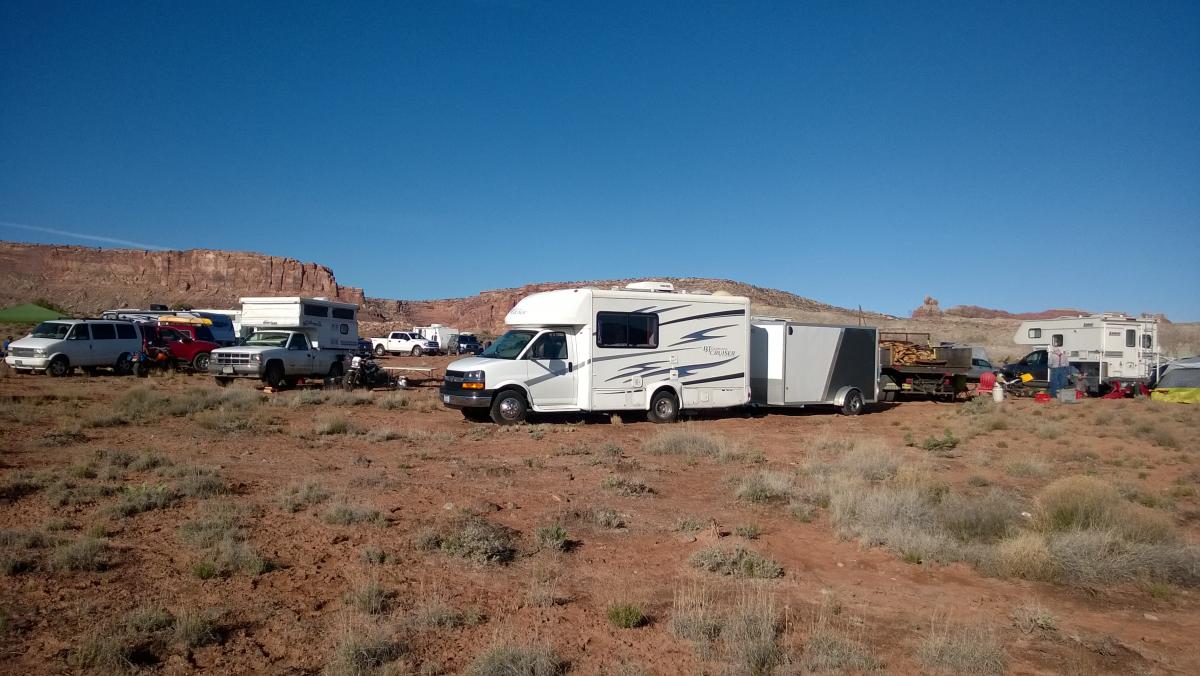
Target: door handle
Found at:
569, 367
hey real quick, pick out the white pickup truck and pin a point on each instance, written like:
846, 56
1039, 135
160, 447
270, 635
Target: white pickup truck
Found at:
277, 358
404, 342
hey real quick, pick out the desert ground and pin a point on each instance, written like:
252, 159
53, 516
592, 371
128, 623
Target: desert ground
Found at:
168, 525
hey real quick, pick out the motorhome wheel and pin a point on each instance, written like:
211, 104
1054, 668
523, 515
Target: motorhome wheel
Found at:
664, 407
509, 408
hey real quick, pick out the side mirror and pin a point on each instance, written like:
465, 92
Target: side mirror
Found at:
187, 339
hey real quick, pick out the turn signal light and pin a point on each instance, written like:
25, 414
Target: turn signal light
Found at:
472, 386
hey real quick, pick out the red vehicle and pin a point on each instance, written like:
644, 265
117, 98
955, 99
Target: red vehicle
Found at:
189, 345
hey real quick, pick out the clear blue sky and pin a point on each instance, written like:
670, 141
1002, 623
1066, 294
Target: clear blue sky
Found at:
1013, 155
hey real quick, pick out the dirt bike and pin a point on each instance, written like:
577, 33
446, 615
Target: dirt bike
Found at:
151, 358
365, 372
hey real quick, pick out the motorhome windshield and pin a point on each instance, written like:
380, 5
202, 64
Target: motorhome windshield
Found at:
268, 339
509, 345
51, 330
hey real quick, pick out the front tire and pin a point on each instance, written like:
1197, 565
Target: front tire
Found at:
274, 377
379, 351
853, 403
509, 408
348, 380
417, 352
59, 367
664, 407
200, 362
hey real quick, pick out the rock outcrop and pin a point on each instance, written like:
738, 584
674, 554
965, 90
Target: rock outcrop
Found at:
928, 310
86, 279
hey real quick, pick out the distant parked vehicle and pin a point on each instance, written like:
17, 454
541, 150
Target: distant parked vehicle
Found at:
466, 344
403, 342
445, 336
58, 347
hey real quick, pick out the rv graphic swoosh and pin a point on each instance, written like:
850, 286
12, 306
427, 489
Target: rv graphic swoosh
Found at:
702, 334
684, 371
651, 308
725, 313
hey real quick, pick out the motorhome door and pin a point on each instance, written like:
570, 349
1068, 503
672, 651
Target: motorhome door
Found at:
551, 378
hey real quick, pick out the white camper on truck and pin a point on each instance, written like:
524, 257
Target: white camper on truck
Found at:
444, 336
294, 338
1105, 348
796, 365
645, 347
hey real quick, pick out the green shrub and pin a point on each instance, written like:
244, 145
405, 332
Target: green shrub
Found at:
626, 615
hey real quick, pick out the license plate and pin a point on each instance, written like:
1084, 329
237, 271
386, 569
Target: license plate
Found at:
445, 398
18, 362
906, 386
226, 369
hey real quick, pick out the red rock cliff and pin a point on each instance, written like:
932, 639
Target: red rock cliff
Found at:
86, 279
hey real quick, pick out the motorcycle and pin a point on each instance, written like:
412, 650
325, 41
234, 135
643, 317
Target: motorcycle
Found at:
150, 358
365, 372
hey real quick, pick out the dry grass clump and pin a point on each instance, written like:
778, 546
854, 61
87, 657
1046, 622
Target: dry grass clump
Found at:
830, 646
629, 487
597, 517
126, 646
342, 398
83, 554
870, 460
1033, 617
436, 614
690, 443
625, 615
472, 537
694, 614
345, 514
751, 633
736, 562
195, 628
553, 537
368, 596
329, 425
362, 647
962, 650
143, 498
297, 496
765, 486
226, 551
511, 660
198, 482
143, 404
1029, 466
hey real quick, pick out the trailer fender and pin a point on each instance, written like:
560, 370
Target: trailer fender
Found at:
840, 398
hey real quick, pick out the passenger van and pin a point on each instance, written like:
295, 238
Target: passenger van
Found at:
58, 347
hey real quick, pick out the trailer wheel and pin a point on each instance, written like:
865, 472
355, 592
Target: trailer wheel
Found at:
664, 407
508, 408
853, 404
379, 351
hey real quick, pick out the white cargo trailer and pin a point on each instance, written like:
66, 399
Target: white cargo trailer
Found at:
794, 364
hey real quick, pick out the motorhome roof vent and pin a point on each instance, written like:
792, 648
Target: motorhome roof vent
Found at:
658, 287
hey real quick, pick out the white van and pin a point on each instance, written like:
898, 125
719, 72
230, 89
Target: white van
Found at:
642, 348
59, 346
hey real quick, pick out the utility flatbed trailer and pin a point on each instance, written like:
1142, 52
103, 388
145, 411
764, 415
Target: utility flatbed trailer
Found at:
942, 376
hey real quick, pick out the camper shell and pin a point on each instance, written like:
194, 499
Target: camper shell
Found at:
444, 336
645, 347
794, 364
327, 324
1104, 348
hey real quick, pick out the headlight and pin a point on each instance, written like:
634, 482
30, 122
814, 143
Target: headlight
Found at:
255, 357
473, 380
39, 352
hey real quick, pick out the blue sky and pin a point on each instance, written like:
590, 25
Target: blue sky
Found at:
1012, 155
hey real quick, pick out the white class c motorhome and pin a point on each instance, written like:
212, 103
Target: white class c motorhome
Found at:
643, 348
1104, 347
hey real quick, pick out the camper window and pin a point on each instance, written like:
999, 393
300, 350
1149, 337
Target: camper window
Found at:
316, 310
1035, 333
1130, 338
343, 313
1147, 341
1056, 340
626, 329
550, 346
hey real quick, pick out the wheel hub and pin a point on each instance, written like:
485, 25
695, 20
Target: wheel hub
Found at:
509, 408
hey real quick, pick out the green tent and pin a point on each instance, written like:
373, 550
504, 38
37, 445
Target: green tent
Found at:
27, 313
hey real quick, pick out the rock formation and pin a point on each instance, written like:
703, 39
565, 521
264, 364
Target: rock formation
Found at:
928, 310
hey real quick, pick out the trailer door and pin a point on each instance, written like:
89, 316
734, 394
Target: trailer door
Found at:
551, 379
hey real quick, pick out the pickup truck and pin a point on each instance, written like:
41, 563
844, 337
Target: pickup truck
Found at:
278, 358
404, 342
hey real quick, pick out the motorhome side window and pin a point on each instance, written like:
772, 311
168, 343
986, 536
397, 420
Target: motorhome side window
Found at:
626, 329
1035, 333
342, 313
1056, 340
550, 346
1130, 338
316, 310
1147, 341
